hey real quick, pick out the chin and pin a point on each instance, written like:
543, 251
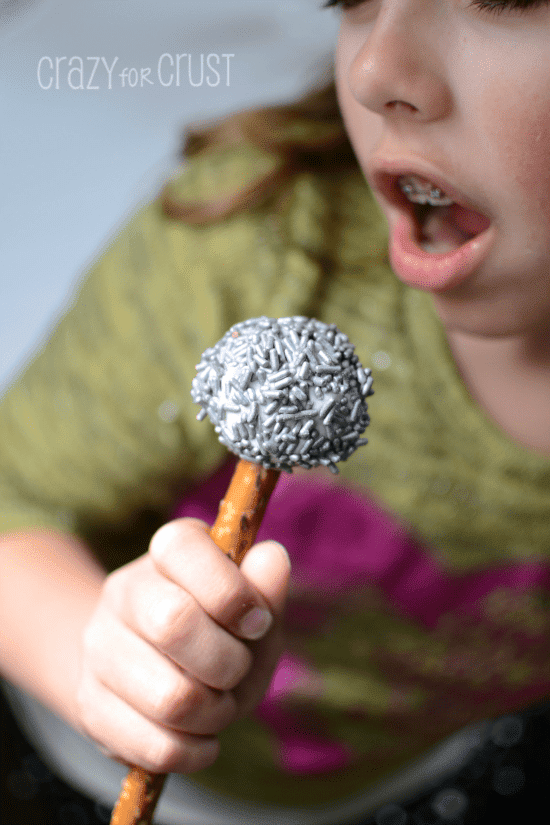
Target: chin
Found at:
488, 318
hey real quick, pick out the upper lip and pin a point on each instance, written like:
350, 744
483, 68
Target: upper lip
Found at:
383, 175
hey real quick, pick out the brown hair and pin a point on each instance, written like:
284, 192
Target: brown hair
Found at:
307, 135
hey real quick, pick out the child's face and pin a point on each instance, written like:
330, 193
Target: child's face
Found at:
459, 95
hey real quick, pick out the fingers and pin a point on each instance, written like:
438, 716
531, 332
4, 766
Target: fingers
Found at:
126, 735
167, 661
154, 686
184, 552
173, 622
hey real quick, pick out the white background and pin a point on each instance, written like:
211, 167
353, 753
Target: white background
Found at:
75, 162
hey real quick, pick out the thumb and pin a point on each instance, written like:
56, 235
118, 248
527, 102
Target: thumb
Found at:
267, 567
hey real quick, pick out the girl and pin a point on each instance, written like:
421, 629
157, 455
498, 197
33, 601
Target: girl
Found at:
417, 603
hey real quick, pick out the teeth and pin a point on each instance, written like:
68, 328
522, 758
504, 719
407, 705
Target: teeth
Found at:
419, 191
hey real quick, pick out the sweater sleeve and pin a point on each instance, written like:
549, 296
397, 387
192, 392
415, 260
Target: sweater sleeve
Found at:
100, 425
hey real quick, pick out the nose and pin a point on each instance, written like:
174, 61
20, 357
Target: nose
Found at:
398, 70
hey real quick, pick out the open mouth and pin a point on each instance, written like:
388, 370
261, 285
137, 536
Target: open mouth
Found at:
437, 237
442, 225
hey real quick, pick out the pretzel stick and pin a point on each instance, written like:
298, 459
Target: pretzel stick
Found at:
138, 797
238, 520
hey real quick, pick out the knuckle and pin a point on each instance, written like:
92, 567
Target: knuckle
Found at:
201, 754
202, 758
189, 701
162, 701
230, 599
227, 711
176, 534
179, 700
188, 755
228, 674
164, 754
169, 620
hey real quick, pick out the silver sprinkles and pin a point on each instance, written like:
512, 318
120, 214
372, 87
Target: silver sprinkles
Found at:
285, 392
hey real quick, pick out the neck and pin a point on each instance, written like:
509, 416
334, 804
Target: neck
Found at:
509, 376
528, 350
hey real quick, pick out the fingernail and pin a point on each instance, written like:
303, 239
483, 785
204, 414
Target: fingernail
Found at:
255, 623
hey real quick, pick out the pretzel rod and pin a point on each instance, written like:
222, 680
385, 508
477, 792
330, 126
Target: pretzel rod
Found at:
138, 798
242, 510
238, 520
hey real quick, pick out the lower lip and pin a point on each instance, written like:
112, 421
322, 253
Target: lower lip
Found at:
434, 272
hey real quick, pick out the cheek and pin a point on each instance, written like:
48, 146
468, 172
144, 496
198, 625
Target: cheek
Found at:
519, 136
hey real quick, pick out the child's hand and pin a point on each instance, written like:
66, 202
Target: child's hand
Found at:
164, 665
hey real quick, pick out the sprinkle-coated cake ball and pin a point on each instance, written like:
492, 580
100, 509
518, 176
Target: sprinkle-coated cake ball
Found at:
285, 392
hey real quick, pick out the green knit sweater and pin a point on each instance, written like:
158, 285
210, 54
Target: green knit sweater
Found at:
98, 435
100, 426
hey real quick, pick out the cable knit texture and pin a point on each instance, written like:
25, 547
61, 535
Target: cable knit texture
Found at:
99, 436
